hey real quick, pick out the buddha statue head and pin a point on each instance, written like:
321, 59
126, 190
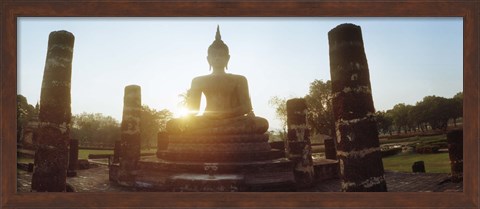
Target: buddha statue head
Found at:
218, 55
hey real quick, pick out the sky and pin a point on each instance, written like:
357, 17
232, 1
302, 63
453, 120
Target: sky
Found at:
408, 58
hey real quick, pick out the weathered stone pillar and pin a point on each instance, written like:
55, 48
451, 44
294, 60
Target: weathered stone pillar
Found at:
73, 158
330, 150
51, 156
358, 147
299, 148
455, 152
116, 151
130, 134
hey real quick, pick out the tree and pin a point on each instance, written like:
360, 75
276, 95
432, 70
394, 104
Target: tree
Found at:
184, 98
280, 105
320, 109
400, 115
95, 129
151, 122
25, 112
384, 122
436, 111
319, 104
457, 109
417, 117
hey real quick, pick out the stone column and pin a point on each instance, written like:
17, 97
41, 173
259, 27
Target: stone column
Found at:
330, 150
358, 147
51, 156
73, 158
116, 152
130, 134
299, 148
455, 152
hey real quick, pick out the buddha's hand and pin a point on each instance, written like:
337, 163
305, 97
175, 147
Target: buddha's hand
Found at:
216, 114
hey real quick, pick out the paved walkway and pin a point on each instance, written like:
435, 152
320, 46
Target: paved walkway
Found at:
96, 180
403, 182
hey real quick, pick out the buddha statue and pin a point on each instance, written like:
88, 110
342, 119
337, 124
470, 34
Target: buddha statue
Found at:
228, 108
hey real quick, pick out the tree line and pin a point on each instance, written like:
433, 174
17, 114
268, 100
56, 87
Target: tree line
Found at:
320, 109
431, 113
96, 129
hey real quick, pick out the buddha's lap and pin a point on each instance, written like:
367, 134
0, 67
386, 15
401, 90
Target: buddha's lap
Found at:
199, 124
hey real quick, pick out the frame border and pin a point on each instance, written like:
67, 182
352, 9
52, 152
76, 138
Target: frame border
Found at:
11, 9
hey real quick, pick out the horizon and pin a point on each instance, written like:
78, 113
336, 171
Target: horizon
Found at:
408, 58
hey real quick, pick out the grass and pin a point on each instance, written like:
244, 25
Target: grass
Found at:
434, 163
24, 160
83, 153
408, 139
417, 139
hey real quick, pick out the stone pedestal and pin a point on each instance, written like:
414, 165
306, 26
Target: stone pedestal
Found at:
51, 156
455, 152
299, 148
358, 147
130, 135
218, 148
216, 163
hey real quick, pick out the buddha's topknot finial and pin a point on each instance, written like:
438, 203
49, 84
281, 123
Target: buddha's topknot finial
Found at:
218, 36
218, 47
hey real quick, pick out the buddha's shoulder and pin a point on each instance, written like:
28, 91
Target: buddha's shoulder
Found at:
201, 79
205, 78
236, 77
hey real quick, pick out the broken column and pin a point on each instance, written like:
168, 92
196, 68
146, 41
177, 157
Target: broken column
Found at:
299, 148
52, 139
73, 158
455, 153
130, 135
358, 147
330, 150
116, 151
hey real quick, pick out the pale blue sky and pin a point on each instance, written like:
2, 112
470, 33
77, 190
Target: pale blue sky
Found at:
409, 58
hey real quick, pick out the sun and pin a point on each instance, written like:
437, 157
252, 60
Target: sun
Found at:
180, 112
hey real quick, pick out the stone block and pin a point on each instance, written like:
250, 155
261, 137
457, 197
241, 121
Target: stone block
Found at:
418, 167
